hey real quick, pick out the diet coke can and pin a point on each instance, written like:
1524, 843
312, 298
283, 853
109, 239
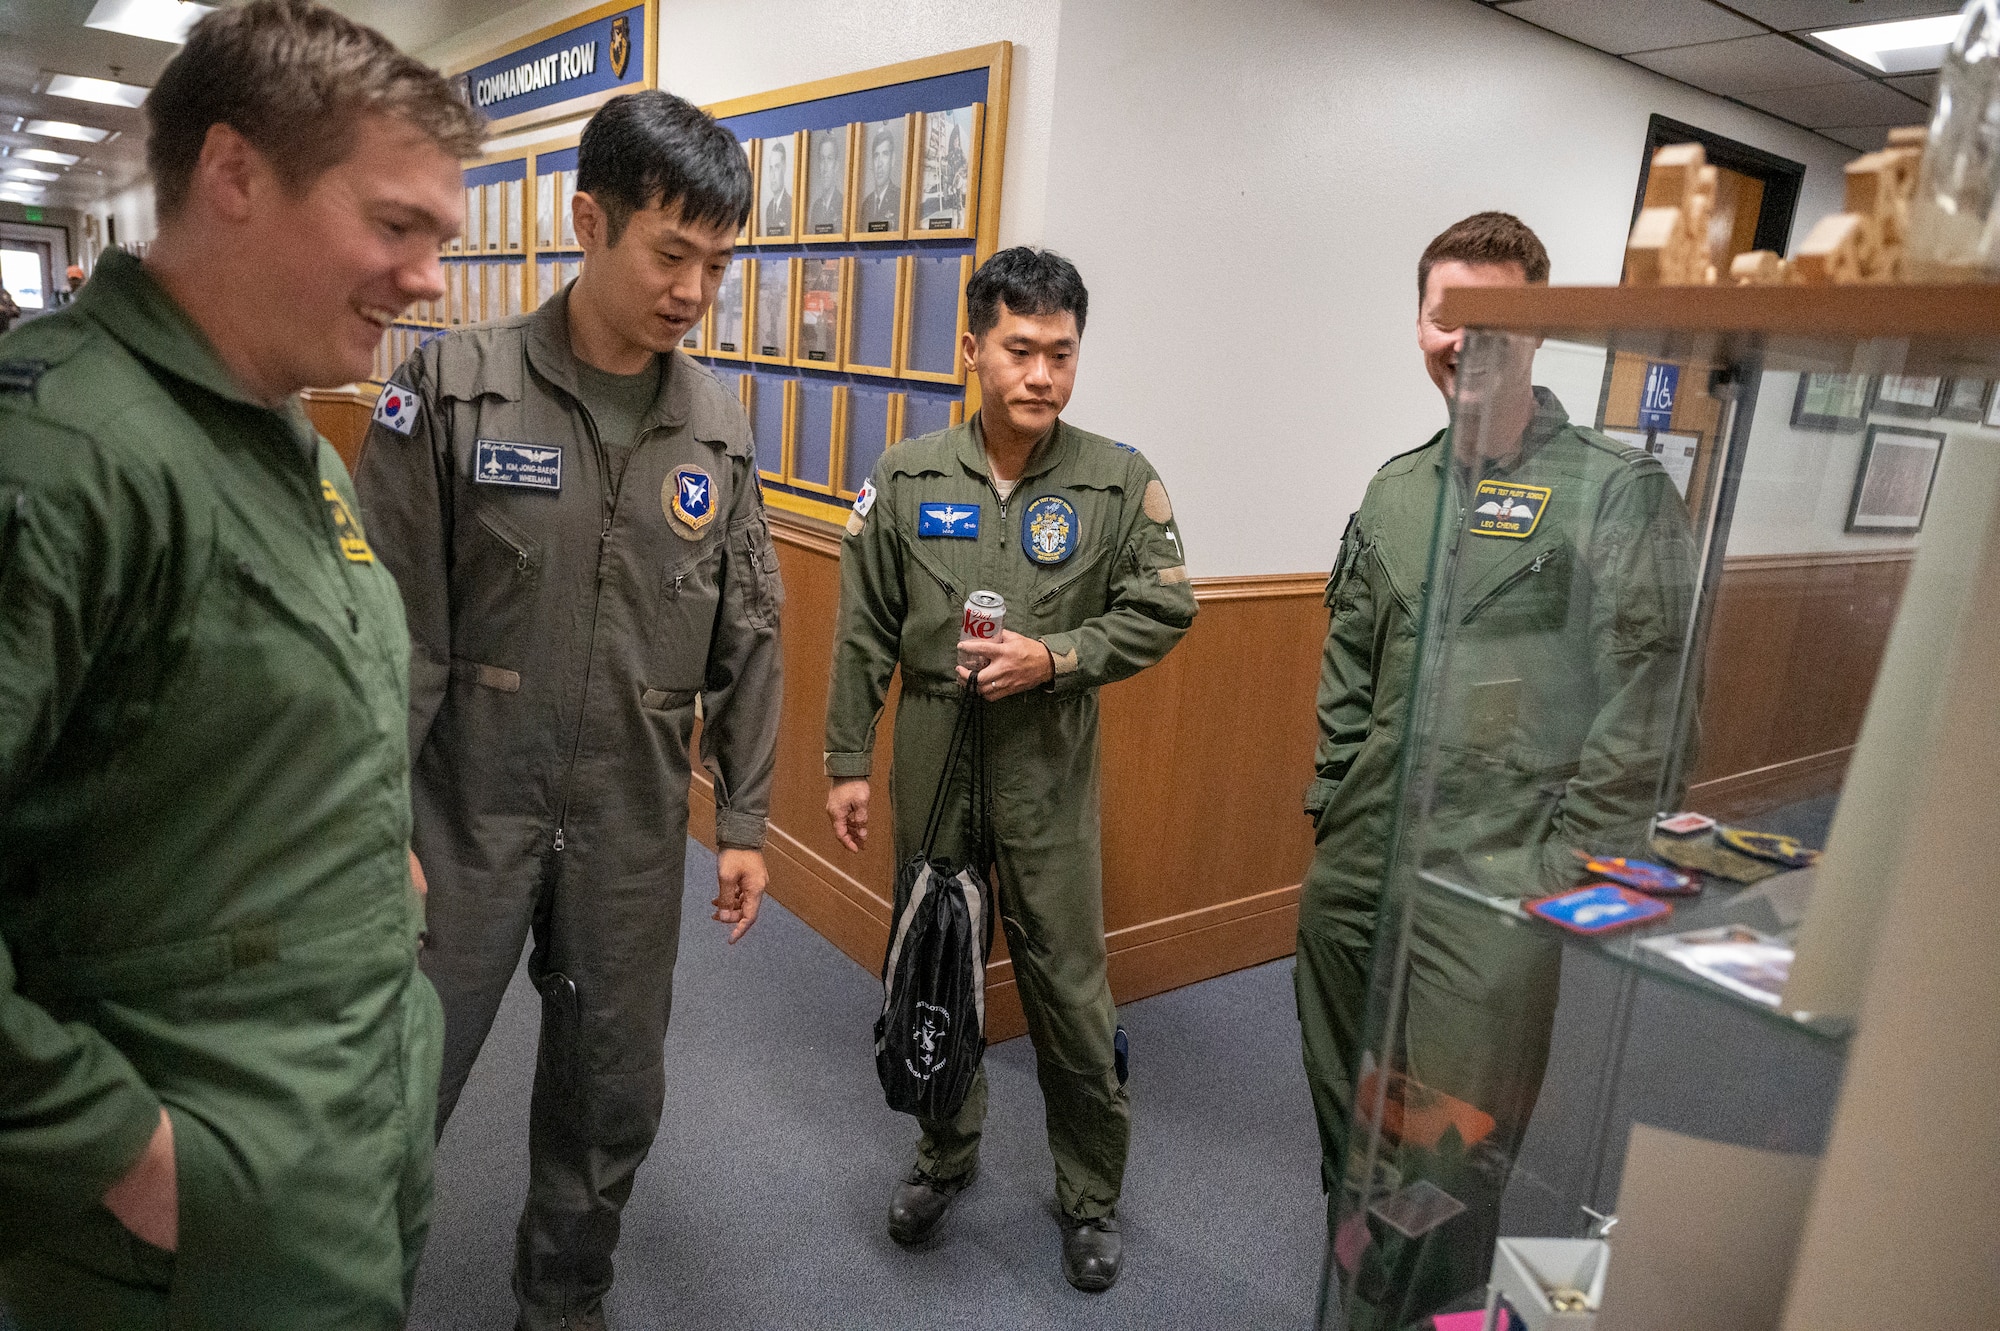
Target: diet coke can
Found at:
985, 613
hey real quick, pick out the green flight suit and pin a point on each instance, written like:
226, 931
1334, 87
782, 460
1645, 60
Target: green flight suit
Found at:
569, 598
1554, 709
1109, 596
205, 895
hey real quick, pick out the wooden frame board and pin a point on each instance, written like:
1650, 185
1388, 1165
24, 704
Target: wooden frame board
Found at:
795, 433
646, 47
805, 304
904, 358
788, 418
746, 284
944, 123
896, 319
761, 315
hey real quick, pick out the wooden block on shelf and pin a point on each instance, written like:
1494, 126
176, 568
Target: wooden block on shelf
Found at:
1909, 136
1871, 185
1651, 259
1757, 268
1833, 250
1675, 175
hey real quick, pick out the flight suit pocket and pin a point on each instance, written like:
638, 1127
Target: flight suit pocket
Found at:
524, 553
684, 620
751, 549
1532, 598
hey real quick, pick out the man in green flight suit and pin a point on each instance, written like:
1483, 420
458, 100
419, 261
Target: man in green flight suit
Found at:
216, 1052
570, 507
1569, 576
1077, 534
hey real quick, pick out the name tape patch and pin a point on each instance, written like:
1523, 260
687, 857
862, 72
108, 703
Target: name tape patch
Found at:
532, 466
955, 521
1500, 508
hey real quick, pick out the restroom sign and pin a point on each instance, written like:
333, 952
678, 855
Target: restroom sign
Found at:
1656, 397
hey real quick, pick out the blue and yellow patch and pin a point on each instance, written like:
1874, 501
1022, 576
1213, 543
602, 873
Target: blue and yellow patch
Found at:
689, 494
1500, 508
346, 531
1049, 530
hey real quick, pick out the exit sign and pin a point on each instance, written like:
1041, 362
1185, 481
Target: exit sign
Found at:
32, 214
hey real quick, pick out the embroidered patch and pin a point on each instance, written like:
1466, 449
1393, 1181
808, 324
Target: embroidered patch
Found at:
1503, 509
353, 545
1158, 507
688, 494
1049, 530
1127, 447
865, 500
527, 465
959, 522
396, 408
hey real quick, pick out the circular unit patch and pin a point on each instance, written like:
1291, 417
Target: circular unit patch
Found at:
688, 496
1049, 530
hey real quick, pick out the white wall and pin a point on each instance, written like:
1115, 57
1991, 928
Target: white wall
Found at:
138, 224
1247, 188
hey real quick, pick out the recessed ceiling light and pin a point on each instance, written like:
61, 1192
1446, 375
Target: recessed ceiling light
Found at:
23, 193
103, 91
48, 155
64, 129
159, 20
1903, 46
28, 173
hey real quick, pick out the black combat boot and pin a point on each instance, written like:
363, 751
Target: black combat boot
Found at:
920, 1203
1091, 1252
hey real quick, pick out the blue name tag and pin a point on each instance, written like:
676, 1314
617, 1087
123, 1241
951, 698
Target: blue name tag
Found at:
959, 521
534, 466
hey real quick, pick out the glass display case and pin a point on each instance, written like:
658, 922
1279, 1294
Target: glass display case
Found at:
1673, 549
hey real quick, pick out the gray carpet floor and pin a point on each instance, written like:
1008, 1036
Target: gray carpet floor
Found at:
763, 1203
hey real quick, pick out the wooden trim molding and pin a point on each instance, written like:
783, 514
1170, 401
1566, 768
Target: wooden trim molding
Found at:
1818, 559
1261, 587
909, 71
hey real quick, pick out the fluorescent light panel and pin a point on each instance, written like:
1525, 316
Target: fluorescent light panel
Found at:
48, 155
158, 20
105, 92
64, 129
1903, 46
27, 173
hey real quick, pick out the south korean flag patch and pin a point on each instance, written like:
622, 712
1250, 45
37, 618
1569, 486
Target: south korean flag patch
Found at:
396, 408
864, 501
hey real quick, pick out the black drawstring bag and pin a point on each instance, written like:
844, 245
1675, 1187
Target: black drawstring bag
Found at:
932, 1031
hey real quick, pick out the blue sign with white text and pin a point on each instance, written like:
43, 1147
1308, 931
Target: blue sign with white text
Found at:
597, 56
958, 521
1656, 397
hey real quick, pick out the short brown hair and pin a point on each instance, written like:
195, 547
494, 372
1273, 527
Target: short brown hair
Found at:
1485, 238
293, 78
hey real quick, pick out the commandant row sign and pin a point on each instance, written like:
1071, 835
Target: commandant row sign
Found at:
598, 54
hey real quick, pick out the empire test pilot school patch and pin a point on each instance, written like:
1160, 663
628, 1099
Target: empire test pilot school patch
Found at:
1503, 509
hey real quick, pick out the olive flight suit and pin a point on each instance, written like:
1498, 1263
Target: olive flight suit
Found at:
570, 598
1554, 713
205, 894
1087, 556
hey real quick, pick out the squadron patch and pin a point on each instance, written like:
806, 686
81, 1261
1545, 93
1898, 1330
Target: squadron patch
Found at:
1049, 530
1500, 508
688, 496
353, 545
396, 408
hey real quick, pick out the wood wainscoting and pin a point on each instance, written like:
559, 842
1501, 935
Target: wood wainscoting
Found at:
1205, 759
342, 415
1793, 652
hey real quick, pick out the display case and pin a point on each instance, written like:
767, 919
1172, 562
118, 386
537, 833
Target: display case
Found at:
1671, 571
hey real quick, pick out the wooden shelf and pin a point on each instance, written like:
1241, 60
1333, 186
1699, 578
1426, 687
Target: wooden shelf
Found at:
1943, 330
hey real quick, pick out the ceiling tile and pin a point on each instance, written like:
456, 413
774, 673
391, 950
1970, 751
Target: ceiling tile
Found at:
1800, 15
1866, 139
1619, 28
1748, 64
1921, 86
1840, 105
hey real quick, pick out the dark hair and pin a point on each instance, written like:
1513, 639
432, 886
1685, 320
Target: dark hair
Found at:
1026, 281
653, 150
293, 78
1485, 238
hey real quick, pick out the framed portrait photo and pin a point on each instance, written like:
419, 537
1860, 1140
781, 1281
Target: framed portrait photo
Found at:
829, 162
1915, 396
771, 310
1836, 402
749, 147
947, 176
496, 216
776, 216
545, 210
822, 311
695, 341
475, 219
881, 178
728, 326
1965, 399
1893, 486
515, 208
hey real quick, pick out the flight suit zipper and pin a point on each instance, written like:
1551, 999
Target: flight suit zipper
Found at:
1070, 581
1512, 580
